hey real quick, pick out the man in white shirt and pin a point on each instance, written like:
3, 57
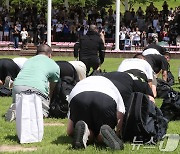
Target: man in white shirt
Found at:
179, 75
24, 36
122, 35
150, 51
59, 28
140, 68
96, 108
137, 38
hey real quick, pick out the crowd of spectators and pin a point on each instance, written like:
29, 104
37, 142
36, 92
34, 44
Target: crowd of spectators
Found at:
137, 27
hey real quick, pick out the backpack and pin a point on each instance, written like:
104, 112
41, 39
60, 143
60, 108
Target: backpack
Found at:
5, 91
97, 73
59, 106
162, 88
171, 106
143, 120
170, 78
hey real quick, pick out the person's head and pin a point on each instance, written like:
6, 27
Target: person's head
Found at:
93, 28
167, 56
139, 55
44, 49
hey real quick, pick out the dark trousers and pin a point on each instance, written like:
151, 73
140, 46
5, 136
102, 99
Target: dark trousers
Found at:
93, 62
16, 41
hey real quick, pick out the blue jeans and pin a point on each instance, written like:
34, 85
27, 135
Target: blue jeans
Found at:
16, 41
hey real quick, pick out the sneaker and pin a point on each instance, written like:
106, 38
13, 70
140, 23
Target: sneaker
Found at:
81, 133
11, 113
7, 82
110, 138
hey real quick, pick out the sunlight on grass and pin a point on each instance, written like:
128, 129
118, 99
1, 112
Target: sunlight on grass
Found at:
55, 138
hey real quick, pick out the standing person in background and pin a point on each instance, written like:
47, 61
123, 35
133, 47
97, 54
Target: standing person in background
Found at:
179, 75
15, 34
24, 36
122, 38
137, 38
1, 31
6, 31
90, 49
102, 35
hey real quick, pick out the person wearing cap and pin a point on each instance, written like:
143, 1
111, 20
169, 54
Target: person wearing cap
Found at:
90, 49
39, 73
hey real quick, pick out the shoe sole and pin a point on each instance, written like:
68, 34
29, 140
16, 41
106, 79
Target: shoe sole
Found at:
11, 113
7, 82
110, 138
81, 134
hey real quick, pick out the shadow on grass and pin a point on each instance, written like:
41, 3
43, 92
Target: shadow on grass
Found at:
62, 140
68, 140
13, 138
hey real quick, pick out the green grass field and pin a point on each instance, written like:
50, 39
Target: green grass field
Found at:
55, 139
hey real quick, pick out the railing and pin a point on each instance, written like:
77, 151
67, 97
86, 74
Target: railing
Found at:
69, 47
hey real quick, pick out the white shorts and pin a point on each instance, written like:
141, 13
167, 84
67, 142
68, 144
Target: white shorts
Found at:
6, 33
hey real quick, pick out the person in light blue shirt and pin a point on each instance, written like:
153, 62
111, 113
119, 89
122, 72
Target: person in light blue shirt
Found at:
39, 73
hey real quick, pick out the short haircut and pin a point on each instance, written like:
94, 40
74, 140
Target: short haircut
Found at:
44, 49
139, 55
93, 28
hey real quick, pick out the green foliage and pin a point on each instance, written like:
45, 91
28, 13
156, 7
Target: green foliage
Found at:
103, 3
90, 3
131, 3
57, 2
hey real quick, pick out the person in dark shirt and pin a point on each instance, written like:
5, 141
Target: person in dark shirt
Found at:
158, 63
128, 83
103, 95
15, 34
8, 68
90, 49
1, 31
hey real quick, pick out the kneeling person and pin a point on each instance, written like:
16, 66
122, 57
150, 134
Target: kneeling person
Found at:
40, 74
96, 108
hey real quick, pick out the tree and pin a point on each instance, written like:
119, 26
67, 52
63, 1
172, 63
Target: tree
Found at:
104, 3
132, 2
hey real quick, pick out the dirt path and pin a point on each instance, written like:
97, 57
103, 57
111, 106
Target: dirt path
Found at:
16, 148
